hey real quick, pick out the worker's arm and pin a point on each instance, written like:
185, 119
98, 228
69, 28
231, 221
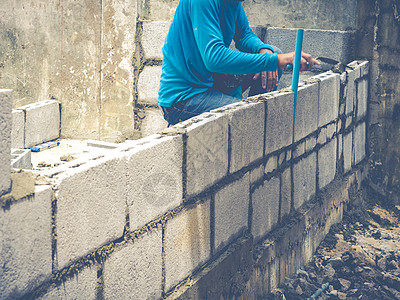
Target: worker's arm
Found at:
216, 57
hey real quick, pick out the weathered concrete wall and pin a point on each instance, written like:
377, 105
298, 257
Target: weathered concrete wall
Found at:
78, 54
156, 213
378, 39
5, 140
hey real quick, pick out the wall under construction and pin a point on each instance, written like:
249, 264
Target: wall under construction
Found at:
222, 204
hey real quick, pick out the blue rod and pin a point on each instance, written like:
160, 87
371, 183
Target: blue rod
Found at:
296, 72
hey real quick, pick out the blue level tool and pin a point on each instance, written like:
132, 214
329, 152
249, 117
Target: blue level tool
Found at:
296, 72
45, 146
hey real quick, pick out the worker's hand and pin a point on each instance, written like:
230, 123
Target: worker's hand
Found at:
288, 58
269, 80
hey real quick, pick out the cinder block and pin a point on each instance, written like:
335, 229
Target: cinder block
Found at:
206, 152
148, 84
271, 165
153, 37
265, 203
349, 121
25, 244
153, 122
329, 91
362, 98
322, 136
355, 66
364, 68
279, 114
340, 146
154, 178
135, 271
304, 179
6, 98
21, 159
316, 41
231, 211
256, 174
311, 142
327, 163
300, 149
347, 151
18, 129
246, 134
82, 286
306, 111
359, 143
91, 203
286, 187
42, 122
187, 243
350, 90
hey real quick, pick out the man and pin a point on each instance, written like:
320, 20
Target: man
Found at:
198, 66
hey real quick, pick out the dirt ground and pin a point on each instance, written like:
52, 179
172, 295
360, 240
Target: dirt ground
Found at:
358, 259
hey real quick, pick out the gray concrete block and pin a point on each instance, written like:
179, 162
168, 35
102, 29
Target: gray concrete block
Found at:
349, 121
327, 163
153, 122
355, 66
316, 42
271, 165
82, 286
6, 98
21, 159
187, 243
279, 114
154, 178
91, 203
231, 211
306, 111
256, 174
311, 142
42, 122
148, 84
25, 244
246, 134
304, 179
286, 187
153, 37
265, 203
350, 90
135, 271
300, 149
322, 136
340, 146
206, 152
329, 92
347, 151
18, 129
362, 98
359, 143
364, 68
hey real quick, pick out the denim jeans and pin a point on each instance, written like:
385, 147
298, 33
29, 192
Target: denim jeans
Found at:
219, 95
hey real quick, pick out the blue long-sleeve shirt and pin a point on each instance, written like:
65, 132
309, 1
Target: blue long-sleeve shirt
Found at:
197, 45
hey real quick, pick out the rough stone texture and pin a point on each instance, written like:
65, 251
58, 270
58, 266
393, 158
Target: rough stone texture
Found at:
148, 84
359, 143
158, 10
362, 98
135, 271
187, 243
329, 91
327, 163
153, 37
306, 111
207, 151
286, 187
304, 173
153, 122
18, 129
231, 211
154, 178
316, 42
5, 140
90, 214
21, 159
265, 203
279, 114
25, 244
347, 151
42, 122
81, 286
246, 134
295, 13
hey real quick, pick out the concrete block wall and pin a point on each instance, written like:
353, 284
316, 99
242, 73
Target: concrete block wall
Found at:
35, 123
5, 140
163, 215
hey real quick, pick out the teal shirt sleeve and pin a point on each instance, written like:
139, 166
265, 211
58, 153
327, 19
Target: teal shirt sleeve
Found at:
215, 55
